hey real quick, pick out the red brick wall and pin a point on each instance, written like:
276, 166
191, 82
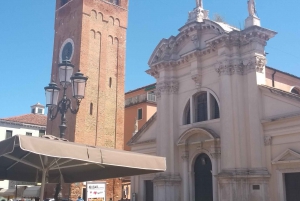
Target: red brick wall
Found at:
98, 30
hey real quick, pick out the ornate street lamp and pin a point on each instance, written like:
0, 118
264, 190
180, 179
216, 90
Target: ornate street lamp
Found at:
78, 82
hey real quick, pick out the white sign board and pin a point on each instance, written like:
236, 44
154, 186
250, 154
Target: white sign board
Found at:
95, 190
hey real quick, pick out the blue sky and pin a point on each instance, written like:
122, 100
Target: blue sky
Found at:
27, 33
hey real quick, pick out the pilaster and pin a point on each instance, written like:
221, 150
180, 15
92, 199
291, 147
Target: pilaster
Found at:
167, 187
185, 185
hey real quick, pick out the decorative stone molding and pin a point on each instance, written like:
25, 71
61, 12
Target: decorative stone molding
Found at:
215, 151
197, 79
240, 67
185, 155
268, 140
168, 179
198, 14
167, 87
256, 63
154, 73
223, 68
195, 40
244, 172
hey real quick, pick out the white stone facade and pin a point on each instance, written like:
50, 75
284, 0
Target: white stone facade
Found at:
247, 127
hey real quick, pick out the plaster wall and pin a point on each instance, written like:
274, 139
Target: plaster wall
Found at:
282, 136
148, 109
281, 81
18, 130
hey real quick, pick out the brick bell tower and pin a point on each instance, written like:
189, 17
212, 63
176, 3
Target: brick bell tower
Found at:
92, 35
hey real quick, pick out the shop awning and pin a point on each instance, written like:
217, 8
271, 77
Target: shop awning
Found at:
32, 192
12, 192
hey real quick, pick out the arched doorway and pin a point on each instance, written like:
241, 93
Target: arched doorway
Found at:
203, 178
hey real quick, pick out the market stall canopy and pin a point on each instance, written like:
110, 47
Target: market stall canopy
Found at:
12, 192
32, 192
26, 158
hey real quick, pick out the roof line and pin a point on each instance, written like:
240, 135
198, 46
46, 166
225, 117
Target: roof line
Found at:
7, 118
283, 72
144, 127
128, 92
22, 124
277, 91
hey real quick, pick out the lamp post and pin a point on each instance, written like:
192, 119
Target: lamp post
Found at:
78, 81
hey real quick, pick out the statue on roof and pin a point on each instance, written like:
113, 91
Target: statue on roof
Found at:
199, 3
251, 8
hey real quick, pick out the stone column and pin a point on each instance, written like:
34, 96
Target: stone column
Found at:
254, 68
167, 184
185, 169
226, 116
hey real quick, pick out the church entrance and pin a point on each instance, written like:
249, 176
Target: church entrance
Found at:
203, 178
292, 186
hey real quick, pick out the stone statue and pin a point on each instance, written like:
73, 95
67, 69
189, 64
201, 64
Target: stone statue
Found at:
199, 3
136, 125
251, 8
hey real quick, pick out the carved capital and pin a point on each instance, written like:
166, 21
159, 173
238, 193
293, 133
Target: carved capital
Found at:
239, 67
197, 79
167, 87
224, 68
256, 63
268, 140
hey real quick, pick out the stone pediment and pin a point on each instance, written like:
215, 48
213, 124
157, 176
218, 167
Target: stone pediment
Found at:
170, 50
196, 135
136, 138
289, 156
279, 92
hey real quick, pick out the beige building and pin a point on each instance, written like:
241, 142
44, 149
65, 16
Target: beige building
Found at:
227, 124
140, 106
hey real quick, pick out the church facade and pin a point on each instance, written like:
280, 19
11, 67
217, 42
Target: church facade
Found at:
227, 124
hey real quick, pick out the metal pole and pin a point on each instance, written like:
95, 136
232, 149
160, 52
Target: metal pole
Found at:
63, 125
43, 185
16, 190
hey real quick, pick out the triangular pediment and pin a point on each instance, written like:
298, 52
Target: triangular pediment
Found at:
279, 103
288, 156
146, 134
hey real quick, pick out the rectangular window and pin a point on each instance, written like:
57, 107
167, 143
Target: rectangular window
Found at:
140, 114
201, 107
40, 111
8, 134
41, 133
151, 96
149, 190
28, 134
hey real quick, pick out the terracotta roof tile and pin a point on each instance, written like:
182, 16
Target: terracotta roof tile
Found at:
35, 119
